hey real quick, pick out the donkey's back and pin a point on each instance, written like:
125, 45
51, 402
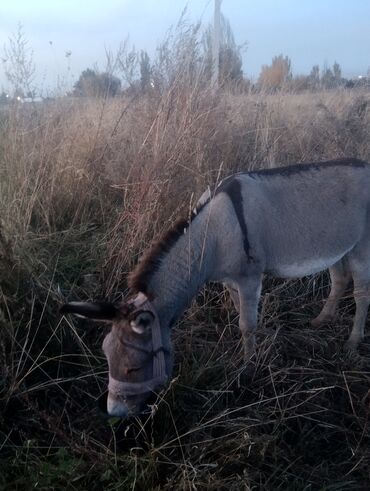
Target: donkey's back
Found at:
303, 219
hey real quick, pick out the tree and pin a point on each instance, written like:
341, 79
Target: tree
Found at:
337, 72
277, 75
332, 78
128, 60
18, 63
327, 78
93, 84
230, 65
145, 71
110, 85
314, 77
183, 58
4, 97
300, 83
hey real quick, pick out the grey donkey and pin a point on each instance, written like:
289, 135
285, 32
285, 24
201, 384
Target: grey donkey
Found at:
287, 222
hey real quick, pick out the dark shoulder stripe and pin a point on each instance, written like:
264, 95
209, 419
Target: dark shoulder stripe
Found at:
232, 187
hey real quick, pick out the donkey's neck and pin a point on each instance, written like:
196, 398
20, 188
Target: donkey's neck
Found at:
183, 270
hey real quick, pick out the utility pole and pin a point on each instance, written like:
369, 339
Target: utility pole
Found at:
216, 44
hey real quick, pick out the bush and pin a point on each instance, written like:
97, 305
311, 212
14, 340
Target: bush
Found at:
93, 84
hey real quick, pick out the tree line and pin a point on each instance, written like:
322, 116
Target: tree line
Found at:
185, 54
275, 77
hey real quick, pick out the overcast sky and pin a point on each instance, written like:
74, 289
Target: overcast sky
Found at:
308, 31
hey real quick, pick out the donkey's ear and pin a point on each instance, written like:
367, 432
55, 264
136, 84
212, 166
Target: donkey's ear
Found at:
142, 322
96, 310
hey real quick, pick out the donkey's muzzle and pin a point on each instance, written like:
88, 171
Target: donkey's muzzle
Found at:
145, 409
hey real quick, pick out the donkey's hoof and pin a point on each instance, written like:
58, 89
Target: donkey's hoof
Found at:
321, 320
352, 357
350, 346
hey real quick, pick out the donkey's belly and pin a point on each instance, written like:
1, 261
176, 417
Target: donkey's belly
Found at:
297, 269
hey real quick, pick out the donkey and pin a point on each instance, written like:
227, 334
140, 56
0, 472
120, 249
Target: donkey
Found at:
287, 222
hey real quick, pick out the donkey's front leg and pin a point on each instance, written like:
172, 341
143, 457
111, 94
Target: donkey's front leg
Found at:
249, 295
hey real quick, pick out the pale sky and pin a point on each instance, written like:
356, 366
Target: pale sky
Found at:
308, 31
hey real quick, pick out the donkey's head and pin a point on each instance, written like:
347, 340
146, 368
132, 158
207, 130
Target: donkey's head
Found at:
139, 356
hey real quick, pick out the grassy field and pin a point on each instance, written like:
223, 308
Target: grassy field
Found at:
85, 184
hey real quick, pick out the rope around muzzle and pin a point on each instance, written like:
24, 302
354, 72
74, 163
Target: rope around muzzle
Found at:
160, 377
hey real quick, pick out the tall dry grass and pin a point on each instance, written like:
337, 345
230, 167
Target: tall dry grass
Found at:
85, 186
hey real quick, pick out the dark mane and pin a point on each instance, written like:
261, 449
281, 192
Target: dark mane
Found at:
292, 169
150, 261
289, 170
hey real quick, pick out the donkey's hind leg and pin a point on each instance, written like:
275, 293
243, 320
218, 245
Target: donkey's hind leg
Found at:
361, 293
340, 277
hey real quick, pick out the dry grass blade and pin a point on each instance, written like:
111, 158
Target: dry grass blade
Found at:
85, 186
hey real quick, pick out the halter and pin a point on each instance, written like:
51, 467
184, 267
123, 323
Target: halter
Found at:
160, 377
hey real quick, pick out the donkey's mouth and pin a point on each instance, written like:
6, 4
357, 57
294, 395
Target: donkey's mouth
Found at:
145, 410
